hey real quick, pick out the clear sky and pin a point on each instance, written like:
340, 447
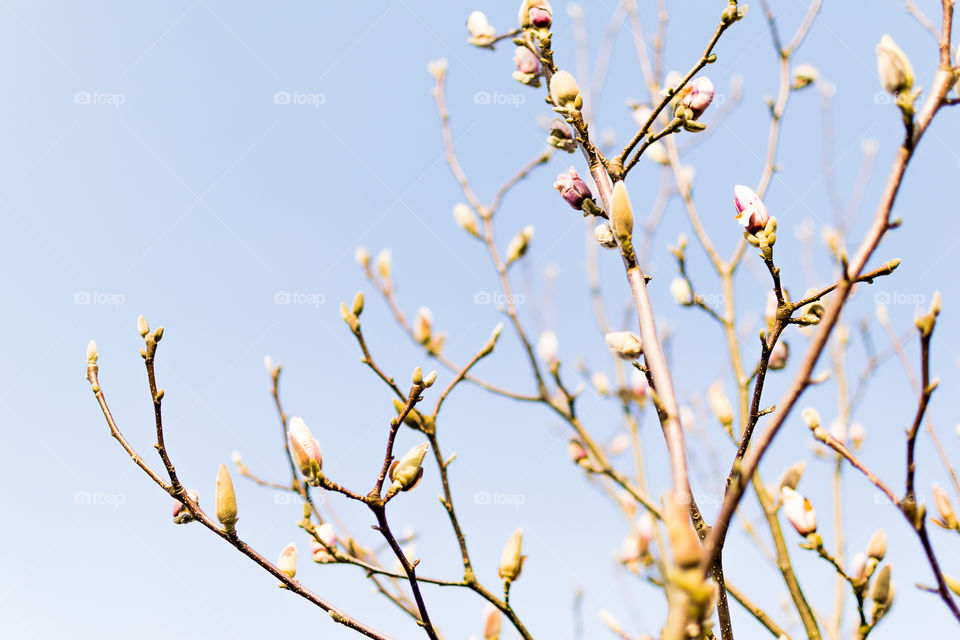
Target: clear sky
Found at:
148, 167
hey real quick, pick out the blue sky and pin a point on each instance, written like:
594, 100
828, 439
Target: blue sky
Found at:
147, 167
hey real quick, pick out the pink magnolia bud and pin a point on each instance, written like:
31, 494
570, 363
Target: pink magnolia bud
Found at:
779, 355
645, 529
576, 451
326, 533
540, 17
572, 188
182, 515
630, 551
799, 511
625, 344
288, 560
697, 96
527, 63
491, 623
751, 212
305, 448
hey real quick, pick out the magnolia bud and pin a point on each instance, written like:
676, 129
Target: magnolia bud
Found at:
406, 472
859, 564
319, 552
305, 448
465, 218
481, 31
423, 325
429, 379
182, 515
811, 417
142, 327
288, 560
491, 623
882, 593
657, 152
799, 511
572, 188
511, 562
804, 75
630, 549
947, 515
896, 74
528, 67
621, 216
384, 263
547, 346
779, 355
437, 68
877, 547
600, 382
519, 244
561, 137
226, 499
697, 96
92, 354
645, 530
564, 91
604, 235
625, 344
680, 290
577, 453
751, 212
358, 303
540, 17
362, 256
720, 404
857, 434
791, 477
237, 458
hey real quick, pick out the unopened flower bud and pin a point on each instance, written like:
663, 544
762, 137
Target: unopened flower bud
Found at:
572, 188
423, 325
429, 379
548, 346
947, 515
319, 552
791, 477
528, 15
466, 219
896, 73
576, 452
237, 458
720, 404
362, 256
358, 303
646, 527
527, 63
384, 263
630, 549
882, 593
491, 623
268, 364
92, 354
182, 515
305, 448
859, 565
540, 17
511, 561
519, 244
639, 385
877, 547
600, 382
142, 327
561, 136
680, 290
437, 68
406, 472
697, 96
857, 434
799, 511
226, 499
625, 344
564, 91
779, 356
804, 75
811, 417
604, 235
751, 212
657, 152
481, 32
621, 216
288, 560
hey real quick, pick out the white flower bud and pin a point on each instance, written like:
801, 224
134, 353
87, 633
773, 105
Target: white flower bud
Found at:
625, 344
288, 560
548, 346
511, 561
680, 290
893, 66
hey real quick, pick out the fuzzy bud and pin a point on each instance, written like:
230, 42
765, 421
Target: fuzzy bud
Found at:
877, 547
548, 346
318, 551
437, 68
720, 404
625, 344
527, 63
362, 256
621, 216
561, 137
811, 417
305, 448
947, 515
481, 32
882, 593
288, 560
857, 434
519, 244
572, 188
697, 96
893, 66
226, 499
142, 327
779, 356
680, 290
791, 477
423, 325
799, 511
384, 263
466, 219
577, 453
804, 75
565, 92
491, 623
751, 212
511, 561
92, 354
406, 472
604, 235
